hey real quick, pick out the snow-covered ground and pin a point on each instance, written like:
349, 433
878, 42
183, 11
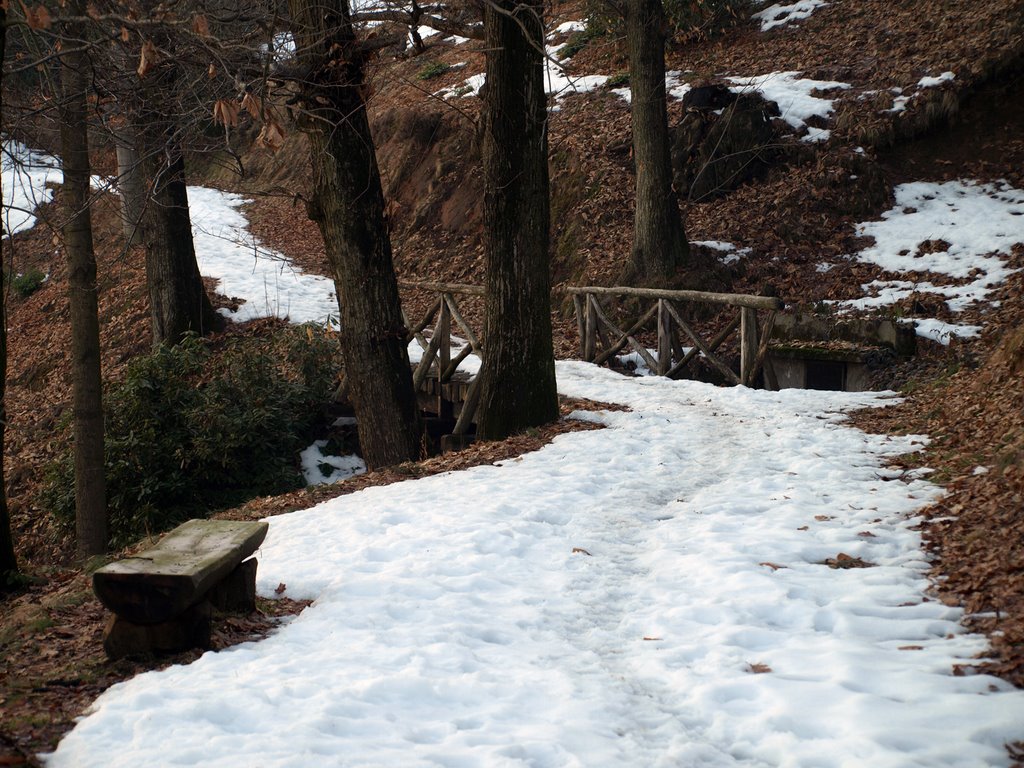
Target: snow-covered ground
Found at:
650, 594
26, 176
960, 230
781, 14
267, 281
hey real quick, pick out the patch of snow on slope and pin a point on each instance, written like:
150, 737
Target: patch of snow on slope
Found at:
266, 280
796, 98
649, 594
961, 229
320, 468
900, 100
557, 81
779, 15
730, 253
26, 176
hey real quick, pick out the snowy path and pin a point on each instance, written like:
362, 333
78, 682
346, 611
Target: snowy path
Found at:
454, 625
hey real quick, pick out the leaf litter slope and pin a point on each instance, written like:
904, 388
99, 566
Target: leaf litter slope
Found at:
654, 593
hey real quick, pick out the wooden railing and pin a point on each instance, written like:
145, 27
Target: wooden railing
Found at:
437, 351
600, 338
671, 358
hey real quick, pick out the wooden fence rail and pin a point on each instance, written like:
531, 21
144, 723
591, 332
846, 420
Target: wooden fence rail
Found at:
594, 327
600, 338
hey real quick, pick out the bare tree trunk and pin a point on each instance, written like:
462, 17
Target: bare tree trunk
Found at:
90, 487
518, 385
348, 205
8, 561
131, 186
178, 302
659, 243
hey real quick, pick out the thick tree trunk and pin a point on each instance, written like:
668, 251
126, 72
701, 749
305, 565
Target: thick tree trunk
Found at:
90, 487
131, 185
348, 205
659, 244
8, 561
518, 385
177, 299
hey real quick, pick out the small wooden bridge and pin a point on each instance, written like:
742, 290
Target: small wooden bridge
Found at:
452, 393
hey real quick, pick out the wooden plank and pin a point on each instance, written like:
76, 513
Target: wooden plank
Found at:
416, 331
640, 348
735, 299
581, 325
625, 336
468, 413
160, 583
423, 368
444, 330
474, 341
762, 349
590, 343
456, 361
725, 370
714, 344
664, 339
427, 285
748, 343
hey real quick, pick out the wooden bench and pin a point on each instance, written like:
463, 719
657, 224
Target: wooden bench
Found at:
162, 599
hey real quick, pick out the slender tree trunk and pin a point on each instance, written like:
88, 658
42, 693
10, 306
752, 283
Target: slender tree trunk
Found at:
518, 385
348, 205
659, 243
90, 488
131, 185
8, 561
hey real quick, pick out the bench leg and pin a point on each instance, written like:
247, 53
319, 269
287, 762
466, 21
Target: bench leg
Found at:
237, 593
189, 630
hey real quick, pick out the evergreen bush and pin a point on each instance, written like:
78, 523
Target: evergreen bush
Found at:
190, 431
24, 284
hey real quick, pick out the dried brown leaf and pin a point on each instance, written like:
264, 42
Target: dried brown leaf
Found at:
148, 58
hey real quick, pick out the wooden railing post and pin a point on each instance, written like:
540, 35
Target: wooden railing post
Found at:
581, 324
444, 359
444, 330
590, 344
748, 343
664, 338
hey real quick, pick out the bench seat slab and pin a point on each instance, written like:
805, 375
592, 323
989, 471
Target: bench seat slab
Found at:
160, 583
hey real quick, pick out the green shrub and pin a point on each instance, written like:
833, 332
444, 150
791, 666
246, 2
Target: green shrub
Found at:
189, 431
579, 40
24, 284
432, 69
618, 80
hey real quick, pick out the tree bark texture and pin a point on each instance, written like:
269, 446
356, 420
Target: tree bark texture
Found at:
90, 486
659, 243
131, 185
348, 205
8, 561
178, 301
518, 385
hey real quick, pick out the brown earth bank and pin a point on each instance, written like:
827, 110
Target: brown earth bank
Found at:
800, 212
